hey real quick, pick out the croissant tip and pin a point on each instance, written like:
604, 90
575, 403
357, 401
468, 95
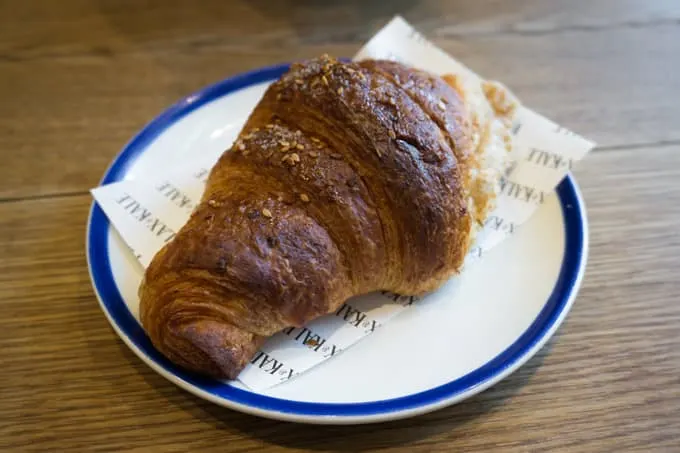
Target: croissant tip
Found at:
220, 349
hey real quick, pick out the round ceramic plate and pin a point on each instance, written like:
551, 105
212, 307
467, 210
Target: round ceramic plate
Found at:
459, 341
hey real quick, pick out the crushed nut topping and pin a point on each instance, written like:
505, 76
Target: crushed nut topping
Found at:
284, 143
291, 159
336, 156
267, 213
304, 198
299, 81
241, 147
213, 203
300, 146
392, 134
269, 126
324, 80
340, 90
314, 154
441, 106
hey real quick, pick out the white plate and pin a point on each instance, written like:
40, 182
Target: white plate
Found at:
459, 341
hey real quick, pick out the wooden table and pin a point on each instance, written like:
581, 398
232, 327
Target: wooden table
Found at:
79, 77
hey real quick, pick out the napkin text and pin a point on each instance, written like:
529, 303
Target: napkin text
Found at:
356, 318
141, 214
521, 192
549, 160
312, 340
270, 365
403, 300
498, 223
176, 196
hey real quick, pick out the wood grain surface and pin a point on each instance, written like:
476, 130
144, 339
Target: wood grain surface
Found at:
79, 78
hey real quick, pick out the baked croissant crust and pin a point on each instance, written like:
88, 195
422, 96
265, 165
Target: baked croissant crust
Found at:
347, 178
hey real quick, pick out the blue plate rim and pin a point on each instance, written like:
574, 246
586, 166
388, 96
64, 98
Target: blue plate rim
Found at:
115, 309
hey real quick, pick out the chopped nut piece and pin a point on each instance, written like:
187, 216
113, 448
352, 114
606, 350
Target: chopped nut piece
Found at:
241, 146
291, 159
299, 81
316, 140
324, 80
392, 134
304, 198
336, 156
284, 143
441, 106
340, 90
314, 154
213, 203
267, 213
269, 126
300, 146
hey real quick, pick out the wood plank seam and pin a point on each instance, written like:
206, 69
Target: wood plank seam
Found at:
437, 34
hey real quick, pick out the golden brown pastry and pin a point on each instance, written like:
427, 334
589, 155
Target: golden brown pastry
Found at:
346, 179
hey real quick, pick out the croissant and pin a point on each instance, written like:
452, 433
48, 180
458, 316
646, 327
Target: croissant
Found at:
347, 178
